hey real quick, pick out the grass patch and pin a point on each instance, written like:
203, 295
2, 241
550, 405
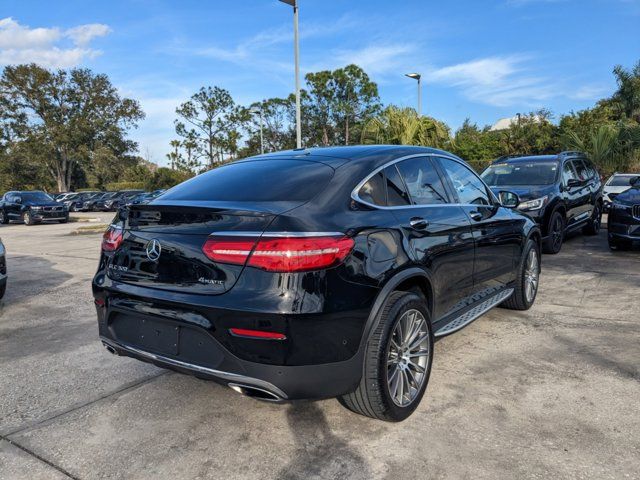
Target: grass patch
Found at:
90, 229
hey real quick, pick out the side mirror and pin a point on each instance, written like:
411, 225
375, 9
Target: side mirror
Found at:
572, 182
17, 200
509, 199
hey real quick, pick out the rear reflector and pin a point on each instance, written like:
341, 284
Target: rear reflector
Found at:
243, 332
111, 239
280, 254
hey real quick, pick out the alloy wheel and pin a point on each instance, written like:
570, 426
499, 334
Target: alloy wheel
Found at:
597, 219
556, 233
408, 357
531, 275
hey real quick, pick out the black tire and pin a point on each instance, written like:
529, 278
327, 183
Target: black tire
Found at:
3, 289
27, 219
618, 244
372, 398
555, 233
522, 299
3, 217
595, 222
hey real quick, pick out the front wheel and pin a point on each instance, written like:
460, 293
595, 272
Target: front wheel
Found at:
27, 218
619, 244
397, 362
3, 217
555, 232
526, 288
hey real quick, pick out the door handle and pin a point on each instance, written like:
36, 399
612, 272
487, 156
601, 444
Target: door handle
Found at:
418, 223
477, 216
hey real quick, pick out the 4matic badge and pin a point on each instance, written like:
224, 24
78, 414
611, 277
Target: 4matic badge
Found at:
210, 281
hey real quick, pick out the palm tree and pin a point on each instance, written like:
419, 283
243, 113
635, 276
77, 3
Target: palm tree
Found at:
403, 126
603, 146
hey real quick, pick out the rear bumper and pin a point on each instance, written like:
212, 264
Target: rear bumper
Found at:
281, 382
320, 357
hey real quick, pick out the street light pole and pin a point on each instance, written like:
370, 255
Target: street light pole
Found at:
296, 50
418, 77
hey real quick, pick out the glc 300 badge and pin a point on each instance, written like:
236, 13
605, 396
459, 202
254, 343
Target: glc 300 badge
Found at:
154, 249
210, 281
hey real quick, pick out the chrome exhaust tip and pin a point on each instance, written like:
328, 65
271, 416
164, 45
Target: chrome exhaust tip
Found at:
110, 349
255, 392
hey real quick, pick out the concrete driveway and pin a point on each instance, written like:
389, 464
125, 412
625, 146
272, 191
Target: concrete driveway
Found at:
549, 393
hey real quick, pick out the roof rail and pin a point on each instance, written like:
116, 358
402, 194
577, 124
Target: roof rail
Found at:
571, 152
506, 157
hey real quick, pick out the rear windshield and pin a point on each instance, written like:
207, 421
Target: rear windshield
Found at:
621, 180
538, 173
257, 181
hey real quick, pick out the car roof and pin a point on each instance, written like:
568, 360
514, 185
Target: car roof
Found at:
335, 156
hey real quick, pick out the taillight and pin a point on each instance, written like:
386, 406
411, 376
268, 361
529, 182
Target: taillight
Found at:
111, 239
280, 254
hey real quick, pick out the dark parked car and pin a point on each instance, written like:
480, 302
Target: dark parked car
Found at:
3, 270
92, 204
623, 223
144, 197
31, 207
112, 203
561, 192
75, 203
314, 273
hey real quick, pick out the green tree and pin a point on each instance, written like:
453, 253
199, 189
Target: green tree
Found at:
64, 117
212, 120
403, 126
627, 97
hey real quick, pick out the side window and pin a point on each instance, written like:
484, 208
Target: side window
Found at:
396, 191
568, 173
373, 191
468, 186
581, 170
423, 182
591, 170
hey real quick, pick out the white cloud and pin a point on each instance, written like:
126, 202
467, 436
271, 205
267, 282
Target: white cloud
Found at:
49, 47
497, 81
375, 59
589, 92
83, 34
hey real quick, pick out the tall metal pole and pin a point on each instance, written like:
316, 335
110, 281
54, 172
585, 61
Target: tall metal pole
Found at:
420, 96
418, 77
297, 62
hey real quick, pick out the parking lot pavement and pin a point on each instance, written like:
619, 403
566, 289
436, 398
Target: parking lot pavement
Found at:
548, 393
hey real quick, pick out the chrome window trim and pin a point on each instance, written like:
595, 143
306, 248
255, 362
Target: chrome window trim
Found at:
356, 197
278, 234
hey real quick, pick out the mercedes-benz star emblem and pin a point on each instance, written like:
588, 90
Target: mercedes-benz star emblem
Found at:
154, 249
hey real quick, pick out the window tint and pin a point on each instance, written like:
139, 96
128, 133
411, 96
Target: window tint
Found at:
591, 170
396, 192
467, 185
581, 170
256, 181
373, 191
568, 173
423, 182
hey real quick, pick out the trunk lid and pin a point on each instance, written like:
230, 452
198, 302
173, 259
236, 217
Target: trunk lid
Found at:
162, 246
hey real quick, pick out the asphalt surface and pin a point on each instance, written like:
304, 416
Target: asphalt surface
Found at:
549, 393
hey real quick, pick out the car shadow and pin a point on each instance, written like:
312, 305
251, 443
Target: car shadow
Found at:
319, 452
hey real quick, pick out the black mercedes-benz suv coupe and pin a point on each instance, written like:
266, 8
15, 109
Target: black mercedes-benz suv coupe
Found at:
561, 192
623, 223
314, 273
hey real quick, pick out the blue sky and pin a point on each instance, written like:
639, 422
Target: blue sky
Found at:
479, 59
